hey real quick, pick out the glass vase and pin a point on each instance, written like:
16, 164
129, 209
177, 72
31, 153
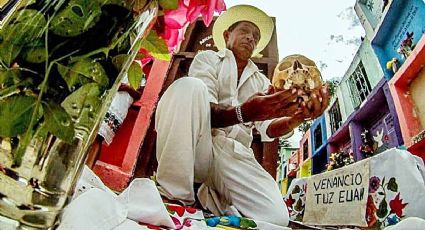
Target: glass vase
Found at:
61, 62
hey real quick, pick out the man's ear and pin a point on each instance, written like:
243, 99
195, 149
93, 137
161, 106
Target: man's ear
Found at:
226, 35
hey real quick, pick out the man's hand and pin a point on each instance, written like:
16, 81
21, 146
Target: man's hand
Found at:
273, 104
269, 105
319, 101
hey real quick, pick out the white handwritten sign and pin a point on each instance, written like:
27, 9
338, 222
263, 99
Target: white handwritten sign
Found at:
338, 197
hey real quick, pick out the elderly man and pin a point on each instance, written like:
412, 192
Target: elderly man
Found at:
204, 123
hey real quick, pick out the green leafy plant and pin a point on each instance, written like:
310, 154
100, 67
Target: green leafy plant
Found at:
57, 61
332, 86
304, 126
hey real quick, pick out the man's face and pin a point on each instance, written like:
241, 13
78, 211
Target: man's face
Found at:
243, 39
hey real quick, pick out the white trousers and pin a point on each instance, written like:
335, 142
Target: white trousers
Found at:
187, 152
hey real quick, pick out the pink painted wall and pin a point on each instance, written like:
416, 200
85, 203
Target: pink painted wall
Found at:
306, 141
406, 106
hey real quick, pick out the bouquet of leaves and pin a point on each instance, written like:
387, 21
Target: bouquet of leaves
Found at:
58, 58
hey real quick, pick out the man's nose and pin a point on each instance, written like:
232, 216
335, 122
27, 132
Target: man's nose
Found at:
250, 37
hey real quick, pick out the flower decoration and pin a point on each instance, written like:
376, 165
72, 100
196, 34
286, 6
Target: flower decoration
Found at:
367, 148
370, 211
374, 184
206, 8
177, 14
182, 216
397, 205
289, 201
406, 46
340, 159
382, 210
231, 221
180, 210
392, 220
393, 65
386, 138
295, 202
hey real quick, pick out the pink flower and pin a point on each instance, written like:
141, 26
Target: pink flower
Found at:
206, 8
170, 26
176, 19
188, 11
374, 183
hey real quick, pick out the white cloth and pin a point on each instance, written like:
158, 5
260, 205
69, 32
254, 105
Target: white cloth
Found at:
406, 171
130, 225
89, 180
189, 151
141, 200
96, 207
92, 210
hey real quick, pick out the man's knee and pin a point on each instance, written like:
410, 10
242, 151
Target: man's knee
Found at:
189, 84
278, 215
183, 90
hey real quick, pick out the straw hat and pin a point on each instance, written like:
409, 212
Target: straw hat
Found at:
243, 13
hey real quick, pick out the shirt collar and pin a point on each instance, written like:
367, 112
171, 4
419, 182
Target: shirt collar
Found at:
251, 66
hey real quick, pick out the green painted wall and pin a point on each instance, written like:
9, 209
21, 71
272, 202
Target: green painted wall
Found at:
370, 14
374, 73
284, 153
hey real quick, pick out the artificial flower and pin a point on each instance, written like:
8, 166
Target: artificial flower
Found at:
289, 201
397, 205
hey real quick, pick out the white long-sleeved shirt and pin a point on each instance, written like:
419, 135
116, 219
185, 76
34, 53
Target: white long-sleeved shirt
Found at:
218, 70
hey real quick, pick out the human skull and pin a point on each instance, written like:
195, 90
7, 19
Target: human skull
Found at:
297, 71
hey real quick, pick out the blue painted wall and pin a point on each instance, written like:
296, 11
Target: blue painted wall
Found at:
320, 122
320, 160
403, 16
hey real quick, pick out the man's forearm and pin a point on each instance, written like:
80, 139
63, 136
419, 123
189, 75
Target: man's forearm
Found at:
223, 116
282, 126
